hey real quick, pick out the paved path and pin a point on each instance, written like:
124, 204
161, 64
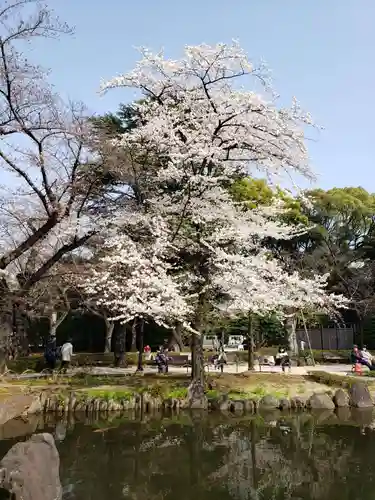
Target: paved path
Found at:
231, 368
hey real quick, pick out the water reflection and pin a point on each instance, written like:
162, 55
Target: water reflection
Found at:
306, 456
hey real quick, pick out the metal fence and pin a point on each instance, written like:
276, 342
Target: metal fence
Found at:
328, 338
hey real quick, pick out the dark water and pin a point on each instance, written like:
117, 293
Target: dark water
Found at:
199, 457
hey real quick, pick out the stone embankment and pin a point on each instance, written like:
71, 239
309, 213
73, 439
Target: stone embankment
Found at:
357, 396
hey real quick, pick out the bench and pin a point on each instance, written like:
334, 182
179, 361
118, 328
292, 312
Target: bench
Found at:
334, 358
180, 360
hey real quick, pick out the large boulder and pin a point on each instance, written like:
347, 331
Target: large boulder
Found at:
359, 396
20, 427
30, 470
19, 405
341, 398
320, 402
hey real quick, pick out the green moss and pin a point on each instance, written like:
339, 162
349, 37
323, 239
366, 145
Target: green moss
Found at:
109, 395
213, 394
177, 393
156, 390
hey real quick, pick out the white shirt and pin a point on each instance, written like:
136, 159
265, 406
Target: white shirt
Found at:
366, 355
67, 351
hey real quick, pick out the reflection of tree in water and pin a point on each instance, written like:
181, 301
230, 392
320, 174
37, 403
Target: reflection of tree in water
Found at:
198, 459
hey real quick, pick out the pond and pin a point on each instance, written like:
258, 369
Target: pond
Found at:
213, 457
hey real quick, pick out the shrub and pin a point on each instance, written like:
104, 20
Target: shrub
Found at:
331, 379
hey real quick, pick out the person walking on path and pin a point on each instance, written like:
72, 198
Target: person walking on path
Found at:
66, 355
50, 354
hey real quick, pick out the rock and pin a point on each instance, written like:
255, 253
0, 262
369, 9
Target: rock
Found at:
224, 405
237, 406
284, 404
320, 402
298, 402
43, 400
131, 404
72, 402
103, 406
341, 398
17, 406
249, 406
359, 396
30, 470
34, 408
20, 427
196, 397
269, 402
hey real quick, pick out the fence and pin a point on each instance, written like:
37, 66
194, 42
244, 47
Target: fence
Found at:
328, 338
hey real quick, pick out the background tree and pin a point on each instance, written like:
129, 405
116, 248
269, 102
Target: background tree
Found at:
50, 194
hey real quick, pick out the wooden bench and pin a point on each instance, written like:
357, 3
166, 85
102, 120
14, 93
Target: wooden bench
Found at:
334, 358
180, 360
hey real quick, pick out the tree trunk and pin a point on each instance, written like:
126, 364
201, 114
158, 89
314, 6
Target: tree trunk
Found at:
133, 347
176, 336
109, 327
250, 343
291, 324
197, 359
140, 332
120, 345
5, 337
55, 322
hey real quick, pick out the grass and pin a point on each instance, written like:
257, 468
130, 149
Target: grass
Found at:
333, 380
110, 394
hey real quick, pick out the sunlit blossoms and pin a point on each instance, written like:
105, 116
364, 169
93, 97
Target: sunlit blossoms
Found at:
260, 285
198, 131
201, 119
133, 279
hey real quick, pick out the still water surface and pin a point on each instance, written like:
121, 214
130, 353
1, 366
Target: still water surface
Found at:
202, 458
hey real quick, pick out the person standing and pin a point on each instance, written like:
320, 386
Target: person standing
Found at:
50, 354
147, 352
66, 355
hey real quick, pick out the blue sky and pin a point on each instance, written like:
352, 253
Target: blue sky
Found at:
321, 51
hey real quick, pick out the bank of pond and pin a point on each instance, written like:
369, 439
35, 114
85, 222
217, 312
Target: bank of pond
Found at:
316, 455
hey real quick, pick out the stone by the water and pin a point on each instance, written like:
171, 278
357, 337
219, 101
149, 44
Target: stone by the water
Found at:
30, 470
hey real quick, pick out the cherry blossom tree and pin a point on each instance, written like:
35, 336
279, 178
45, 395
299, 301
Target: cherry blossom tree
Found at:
49, 194
198, 130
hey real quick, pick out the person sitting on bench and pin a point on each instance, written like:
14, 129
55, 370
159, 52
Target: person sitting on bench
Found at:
282, 358
362, 357
161, 360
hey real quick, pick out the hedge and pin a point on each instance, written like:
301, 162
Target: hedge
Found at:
333, 380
